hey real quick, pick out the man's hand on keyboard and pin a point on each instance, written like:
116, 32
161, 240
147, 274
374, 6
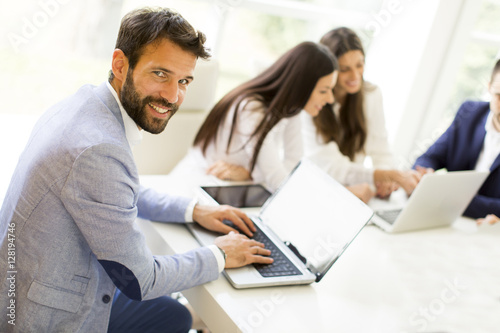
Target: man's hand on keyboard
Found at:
212, 217
241, 250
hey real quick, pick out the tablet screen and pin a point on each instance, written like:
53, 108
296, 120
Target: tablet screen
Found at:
240, 196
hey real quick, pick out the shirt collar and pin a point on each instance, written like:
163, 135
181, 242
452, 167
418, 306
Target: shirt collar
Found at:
132, 132
488, 126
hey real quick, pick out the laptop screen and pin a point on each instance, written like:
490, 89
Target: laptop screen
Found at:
321, 221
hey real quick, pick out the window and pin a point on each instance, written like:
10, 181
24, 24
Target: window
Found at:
52, 47
252, 34
480, 56
463, 73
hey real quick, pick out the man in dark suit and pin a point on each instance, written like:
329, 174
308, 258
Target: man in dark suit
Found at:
472, 142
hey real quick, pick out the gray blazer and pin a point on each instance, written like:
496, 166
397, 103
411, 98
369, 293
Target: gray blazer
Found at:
70, 214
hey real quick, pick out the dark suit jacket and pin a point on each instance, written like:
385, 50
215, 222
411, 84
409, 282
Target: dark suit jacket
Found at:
459, 148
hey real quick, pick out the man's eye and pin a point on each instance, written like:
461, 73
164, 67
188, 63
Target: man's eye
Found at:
159, 74
184, 82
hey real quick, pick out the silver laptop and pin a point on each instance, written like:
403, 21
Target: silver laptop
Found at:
438, 200
310, 219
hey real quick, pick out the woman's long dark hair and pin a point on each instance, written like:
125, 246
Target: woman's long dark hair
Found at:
349, 131
283, 89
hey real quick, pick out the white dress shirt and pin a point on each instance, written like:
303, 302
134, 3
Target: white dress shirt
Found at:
491, 146
279, 154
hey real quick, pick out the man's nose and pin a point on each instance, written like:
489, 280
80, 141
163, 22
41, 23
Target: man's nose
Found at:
170, 92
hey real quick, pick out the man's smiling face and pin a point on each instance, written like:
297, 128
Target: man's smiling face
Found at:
156, 87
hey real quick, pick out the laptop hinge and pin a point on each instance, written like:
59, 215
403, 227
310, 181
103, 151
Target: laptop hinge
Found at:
296, 252
311, 268
318, 275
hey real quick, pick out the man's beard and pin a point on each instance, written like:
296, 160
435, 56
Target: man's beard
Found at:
136, 107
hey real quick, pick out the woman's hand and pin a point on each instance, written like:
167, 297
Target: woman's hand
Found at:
387, 180
363, 191
228, 171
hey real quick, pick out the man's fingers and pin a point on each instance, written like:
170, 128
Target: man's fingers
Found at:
254, 243
260, 250
488, 220
242, 251
259, 253
262, 260
240, 219
243, 227
225, 229
244, 217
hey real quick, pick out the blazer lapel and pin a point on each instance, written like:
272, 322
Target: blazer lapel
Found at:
495, 164
109, 100
476, 146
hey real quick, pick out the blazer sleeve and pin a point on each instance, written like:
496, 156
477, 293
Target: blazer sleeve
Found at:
482, 205
101, 194
158, 207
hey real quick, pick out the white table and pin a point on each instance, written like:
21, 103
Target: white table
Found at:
436, 280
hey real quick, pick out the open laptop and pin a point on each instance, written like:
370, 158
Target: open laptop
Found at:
310, 219
438, 200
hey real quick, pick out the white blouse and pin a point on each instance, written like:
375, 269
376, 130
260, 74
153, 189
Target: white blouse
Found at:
328, 156
280, 152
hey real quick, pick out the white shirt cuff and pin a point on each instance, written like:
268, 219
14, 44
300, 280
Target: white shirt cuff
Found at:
188, 214
218, 256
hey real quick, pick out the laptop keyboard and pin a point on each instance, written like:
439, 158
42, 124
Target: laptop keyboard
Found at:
389, 216
282, 266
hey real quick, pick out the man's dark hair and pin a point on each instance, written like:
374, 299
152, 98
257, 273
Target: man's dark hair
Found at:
144, 26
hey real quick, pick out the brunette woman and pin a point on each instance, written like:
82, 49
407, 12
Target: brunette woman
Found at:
253, 132
341, 137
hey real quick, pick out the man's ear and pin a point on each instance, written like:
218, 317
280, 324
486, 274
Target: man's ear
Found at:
119, 65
